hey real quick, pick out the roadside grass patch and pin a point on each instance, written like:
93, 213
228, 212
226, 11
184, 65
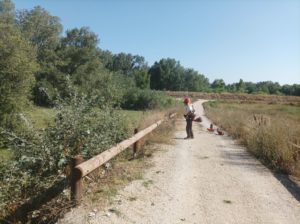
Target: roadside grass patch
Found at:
41, 117
134, 117
5, 155
270, 131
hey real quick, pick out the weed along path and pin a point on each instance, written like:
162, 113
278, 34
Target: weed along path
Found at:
208, 179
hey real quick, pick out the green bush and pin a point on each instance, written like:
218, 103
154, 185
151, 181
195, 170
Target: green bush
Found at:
40, 159
142, 99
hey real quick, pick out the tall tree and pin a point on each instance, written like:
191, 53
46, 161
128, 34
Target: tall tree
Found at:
17, 68
195, 81
43, 31
81, 60
125, 63
241, 86
79, 53
218, 85
106, 58
142, 78
167, 74
41, 28
7, 12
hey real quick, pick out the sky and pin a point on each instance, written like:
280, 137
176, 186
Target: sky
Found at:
253, 40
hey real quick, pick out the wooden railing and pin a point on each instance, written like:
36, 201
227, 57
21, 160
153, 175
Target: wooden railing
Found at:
82, 168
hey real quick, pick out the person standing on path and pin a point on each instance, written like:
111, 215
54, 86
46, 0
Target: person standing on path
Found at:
189, 117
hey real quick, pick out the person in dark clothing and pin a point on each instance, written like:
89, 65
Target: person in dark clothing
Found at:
189, 117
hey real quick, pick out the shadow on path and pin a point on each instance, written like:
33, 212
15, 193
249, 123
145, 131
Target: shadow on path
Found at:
289, 184
246, 160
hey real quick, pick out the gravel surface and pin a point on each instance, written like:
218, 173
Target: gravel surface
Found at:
208, 179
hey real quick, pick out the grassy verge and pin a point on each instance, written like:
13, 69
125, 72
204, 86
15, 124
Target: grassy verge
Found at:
269, 131
40, 117
5, 155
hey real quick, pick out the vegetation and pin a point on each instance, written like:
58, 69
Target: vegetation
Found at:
269, 131
146, 99
81, 90
168, 74
16, 73
240, 97
41, 158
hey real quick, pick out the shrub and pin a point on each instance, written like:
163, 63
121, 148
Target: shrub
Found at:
40, 159
139, 99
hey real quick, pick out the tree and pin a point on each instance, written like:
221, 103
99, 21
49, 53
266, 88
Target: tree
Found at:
167, 74
125, 63
195, 81
231, 87
79, 54
274, 87
241, 86
218, 85
7, 12
43, 31
17, 68
292, 90
286, 89
296, 89
106, 58
250, 87
80, 58
141, 78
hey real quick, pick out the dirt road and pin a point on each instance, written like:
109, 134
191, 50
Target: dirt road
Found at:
208, 179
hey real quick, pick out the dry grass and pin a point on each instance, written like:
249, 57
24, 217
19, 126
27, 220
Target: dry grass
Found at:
164, 132
271, 132
103, 184
239, 97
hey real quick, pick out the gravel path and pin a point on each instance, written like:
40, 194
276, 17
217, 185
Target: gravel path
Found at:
208, 179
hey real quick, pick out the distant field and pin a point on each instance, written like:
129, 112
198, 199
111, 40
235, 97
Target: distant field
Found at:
291, 111
239, 97
269, 131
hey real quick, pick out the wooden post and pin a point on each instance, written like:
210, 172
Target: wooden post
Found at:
76, 180
135, 145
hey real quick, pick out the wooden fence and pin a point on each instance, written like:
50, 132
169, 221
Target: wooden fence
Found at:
82, 168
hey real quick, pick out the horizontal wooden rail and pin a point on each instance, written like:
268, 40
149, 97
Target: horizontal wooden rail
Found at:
95, 162
82, 169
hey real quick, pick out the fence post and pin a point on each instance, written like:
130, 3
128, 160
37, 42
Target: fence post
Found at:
76, 180
135, 145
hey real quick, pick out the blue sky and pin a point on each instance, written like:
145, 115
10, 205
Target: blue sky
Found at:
255, 40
